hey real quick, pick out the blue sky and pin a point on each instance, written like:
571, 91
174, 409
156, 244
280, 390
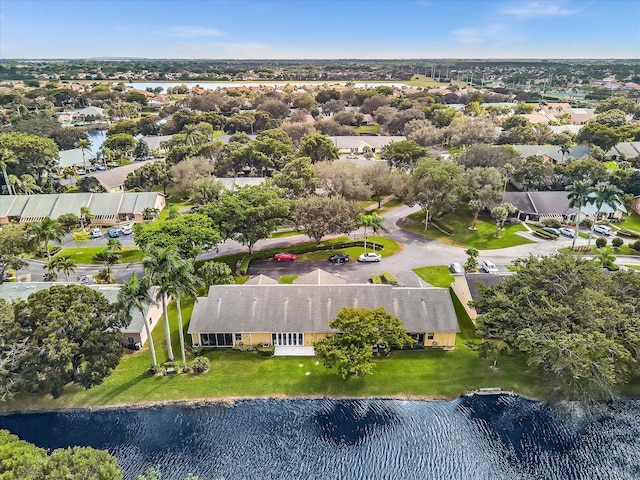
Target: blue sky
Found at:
319, 29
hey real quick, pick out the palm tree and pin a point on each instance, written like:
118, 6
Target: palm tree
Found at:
84, 145
606, 194
161, 266
85, 216
606, 257
365, 221
110, 258
376, 225
579, 196
28, 185
507, 171
67, 265
185, 284
46, 230
475, 205
136, 293
7, 158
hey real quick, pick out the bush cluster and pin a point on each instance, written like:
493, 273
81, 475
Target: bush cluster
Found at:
551, 222
617, 242
389, 278
545, 235
636, 245
376, 279
266, 350
601, 242
201, 364
627, 232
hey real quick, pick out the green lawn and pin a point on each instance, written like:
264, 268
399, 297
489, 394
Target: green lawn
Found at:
482, 238
287, 233
390, 247
624, 250
439, 276
390, 205
630, 221
368, 129
419, 373
84, 255
288, 279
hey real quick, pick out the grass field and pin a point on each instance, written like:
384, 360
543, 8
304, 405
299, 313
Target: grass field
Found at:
368, 129
287, 279
415, 373
439, 276
630, 221
287, 233
482, 238
84, 255
390, 247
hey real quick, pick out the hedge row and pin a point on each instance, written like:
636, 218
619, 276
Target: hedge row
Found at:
376, 279
389, 278
627, 232
545, 235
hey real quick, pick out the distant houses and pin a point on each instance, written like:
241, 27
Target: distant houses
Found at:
106, 208
552, 153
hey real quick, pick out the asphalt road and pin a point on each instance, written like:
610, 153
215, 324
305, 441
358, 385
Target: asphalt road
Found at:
417, 251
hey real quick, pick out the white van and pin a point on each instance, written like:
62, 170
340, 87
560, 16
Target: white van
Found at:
96, 232
603, 229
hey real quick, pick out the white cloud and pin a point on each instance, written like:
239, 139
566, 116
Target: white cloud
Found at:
190, 31
477, 35
538, 9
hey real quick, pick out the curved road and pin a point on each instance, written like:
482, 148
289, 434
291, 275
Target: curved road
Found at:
417, 251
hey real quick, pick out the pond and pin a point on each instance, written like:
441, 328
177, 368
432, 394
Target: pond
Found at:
476, 437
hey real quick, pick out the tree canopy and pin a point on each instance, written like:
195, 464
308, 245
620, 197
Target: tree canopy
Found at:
579, 327
351, 350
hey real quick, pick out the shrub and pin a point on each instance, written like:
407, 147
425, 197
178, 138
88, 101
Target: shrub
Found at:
581, 248
551, 222
601, 242
627, 232
545, 235
389, 278
636, 245
376, 279
201, 364
617, 242
265, 350
170, 367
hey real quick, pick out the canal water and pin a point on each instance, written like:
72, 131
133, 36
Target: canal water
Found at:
480, 437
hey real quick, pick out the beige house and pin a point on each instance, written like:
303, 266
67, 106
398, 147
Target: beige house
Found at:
132, 334
299, 315
635, 204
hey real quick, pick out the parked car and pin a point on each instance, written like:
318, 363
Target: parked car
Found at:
284, 256
81, 171
100, 167
96, 232
552, 231
603, 230
567, 232
456, 268
339, 258
113, 233
126, 229
489, 267
370, 257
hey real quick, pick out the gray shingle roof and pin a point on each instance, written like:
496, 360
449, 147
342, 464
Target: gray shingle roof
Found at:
309, 308
261, 280
116, 176
319, 277
554, 203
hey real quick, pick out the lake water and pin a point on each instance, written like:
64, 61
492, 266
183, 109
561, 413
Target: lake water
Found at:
97, 138
217, 85
481, 437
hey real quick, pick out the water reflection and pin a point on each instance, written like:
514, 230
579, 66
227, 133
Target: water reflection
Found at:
481, 437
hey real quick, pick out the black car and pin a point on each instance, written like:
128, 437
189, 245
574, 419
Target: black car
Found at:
339, 258
553, 231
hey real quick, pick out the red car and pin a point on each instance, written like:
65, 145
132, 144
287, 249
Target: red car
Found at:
284, 256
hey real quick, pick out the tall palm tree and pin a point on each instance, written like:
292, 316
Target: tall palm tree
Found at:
85, 216
136, 293
161, 266
46, 230
376, 225
28, 185
606, 194
579, 196
185, 284
110, 257
67, 265
365, 221
84, 145
507, 171
7, 158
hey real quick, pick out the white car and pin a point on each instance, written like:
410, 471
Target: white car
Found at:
603, 229
370, 257
489, 267
126, 230
567, 232
96, 232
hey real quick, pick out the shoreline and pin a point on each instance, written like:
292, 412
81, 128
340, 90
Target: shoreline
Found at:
230, 401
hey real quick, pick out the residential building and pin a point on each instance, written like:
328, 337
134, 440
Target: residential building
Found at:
299, 315
106, 208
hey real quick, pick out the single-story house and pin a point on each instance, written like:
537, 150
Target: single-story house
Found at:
155, 142
106, 208
299, 315
133, 333
362, 144
624, 151
113, 180
74, 157
552, 153
537, 206
635, 204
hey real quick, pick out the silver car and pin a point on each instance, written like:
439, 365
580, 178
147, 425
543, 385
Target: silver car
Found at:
567, 232
370, 257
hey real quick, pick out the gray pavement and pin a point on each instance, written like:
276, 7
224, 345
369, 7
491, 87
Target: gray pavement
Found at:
417, 251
